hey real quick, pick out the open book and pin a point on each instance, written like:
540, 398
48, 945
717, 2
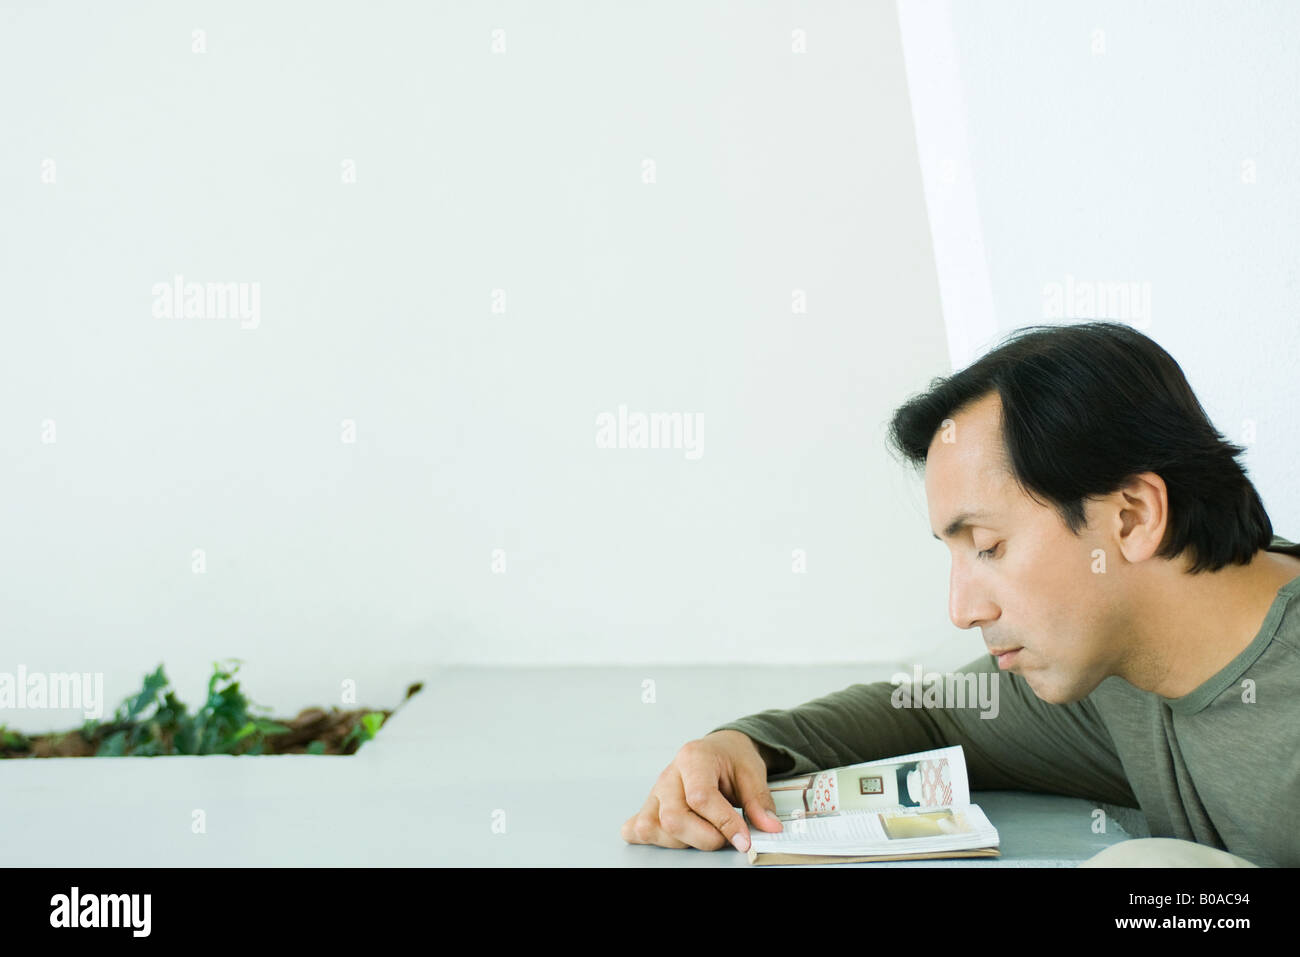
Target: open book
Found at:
910, 807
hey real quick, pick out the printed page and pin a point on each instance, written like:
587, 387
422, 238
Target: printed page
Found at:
909, 830
924, 779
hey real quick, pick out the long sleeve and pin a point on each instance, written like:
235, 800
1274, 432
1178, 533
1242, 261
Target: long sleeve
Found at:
1028, 745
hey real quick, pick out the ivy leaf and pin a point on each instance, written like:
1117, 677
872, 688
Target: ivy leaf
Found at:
243, 732
363, 730
186, 741
148, 694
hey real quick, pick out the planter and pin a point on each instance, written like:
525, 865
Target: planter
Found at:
155, 723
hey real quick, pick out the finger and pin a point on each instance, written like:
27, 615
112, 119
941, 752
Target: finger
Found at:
630, 829
762, 817
643, 827
705, 800
677, 821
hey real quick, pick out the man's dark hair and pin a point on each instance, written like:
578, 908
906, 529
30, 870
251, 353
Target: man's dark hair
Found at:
1085, 407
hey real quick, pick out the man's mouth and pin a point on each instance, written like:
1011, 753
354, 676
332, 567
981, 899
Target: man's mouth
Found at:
1005, 657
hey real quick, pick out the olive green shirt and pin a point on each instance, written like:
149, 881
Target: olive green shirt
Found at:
1219, 766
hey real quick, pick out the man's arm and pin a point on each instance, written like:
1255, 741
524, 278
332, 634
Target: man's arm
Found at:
1030, 745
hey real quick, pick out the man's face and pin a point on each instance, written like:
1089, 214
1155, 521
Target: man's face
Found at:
1036, 590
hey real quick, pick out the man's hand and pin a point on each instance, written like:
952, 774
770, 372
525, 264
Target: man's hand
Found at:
691, 802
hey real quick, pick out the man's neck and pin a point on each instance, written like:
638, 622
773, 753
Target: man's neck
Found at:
1195, 625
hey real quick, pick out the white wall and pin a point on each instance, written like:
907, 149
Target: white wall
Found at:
1155, 143
475, 430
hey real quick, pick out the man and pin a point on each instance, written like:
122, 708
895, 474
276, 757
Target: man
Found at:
1141, 617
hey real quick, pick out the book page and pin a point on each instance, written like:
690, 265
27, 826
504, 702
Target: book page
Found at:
908, 830
924, 779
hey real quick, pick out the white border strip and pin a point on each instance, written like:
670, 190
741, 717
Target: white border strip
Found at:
939, 118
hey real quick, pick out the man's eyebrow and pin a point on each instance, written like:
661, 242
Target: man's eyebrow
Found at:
959, 523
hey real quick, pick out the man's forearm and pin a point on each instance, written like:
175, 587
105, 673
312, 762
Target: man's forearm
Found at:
1024, 743
845, 727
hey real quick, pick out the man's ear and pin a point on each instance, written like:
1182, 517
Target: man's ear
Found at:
1140, 516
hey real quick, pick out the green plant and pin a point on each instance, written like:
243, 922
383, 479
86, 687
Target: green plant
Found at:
154, 721
366, 729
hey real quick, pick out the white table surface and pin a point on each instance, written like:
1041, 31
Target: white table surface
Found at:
567, 754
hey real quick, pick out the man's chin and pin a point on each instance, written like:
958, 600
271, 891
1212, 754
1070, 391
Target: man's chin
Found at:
1053, 693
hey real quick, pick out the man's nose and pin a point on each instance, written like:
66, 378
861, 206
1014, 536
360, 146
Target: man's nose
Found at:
968, 605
